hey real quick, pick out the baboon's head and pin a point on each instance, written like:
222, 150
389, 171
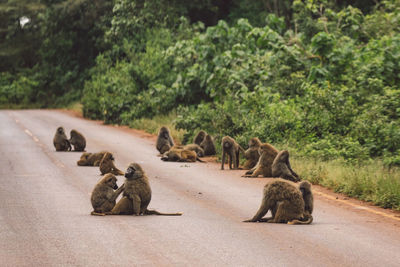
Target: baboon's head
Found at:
200, 153
85, 156
134, 171
60, 130
164, 132
208, 138
201, 134
264, 148
227, 143
305, 187
108, 156
74, 134
254, 142
110, 180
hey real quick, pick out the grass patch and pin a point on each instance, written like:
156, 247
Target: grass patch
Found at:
75, 106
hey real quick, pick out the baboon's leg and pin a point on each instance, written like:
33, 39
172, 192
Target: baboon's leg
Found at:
237, 160
136, 205
123, 207
261, 212
256, 173
280, 215
234, 160
223, 159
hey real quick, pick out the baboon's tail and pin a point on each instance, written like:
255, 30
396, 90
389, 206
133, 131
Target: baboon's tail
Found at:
97, 213
308, 221
198, 159
154, 212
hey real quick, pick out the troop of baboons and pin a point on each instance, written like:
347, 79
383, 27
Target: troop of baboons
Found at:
287, 201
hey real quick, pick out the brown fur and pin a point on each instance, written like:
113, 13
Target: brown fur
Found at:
199, 137
164, 140
77, 140
60, 140
208, 146
91, 159
137, 194
107, 165
103, 195
281, 167
305, 188
285, 201
196, 148
264, 165
180, 155
230, 148
251, 154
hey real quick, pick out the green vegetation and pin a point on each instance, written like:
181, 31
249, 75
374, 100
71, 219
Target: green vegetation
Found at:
318, 77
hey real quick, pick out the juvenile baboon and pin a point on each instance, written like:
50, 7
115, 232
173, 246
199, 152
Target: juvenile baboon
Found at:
251, 154
180, 155
103, 195
305, 188
60, 140
164, 140
281, 167
199, 137
91, 159
77, 140
231, 148
107, 165
285, 201
137, 194
196, 148
264, 165
208, 146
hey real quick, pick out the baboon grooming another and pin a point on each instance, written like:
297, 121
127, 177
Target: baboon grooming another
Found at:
77, 140
231, 148
305, 188
107, 165
91, 159
103, 195
208, 145
285, 201
264, 165
180, 155
137, 195
60, 140
164, 140
251, 154
281, 167
199, 137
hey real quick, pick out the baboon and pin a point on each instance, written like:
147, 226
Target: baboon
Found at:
180, 155
208, 146
196, 148
281, 167
164, 140
251, 154
103, 195
137, 195
231, 148
305, 188
91, 159
199, 137
264, 165
60, 140
285, 201
107, 165
77, 140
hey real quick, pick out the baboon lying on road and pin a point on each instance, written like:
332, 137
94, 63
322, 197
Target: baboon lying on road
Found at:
264, 165
199, 137
281, 167
60, 140
208, 145
194, 147
231, 148
91, 159
180, 155
251, 154
77, 140
103, 195
164, 140
137, 194
286, 203
107, 165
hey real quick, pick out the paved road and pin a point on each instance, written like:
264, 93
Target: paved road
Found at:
45, 206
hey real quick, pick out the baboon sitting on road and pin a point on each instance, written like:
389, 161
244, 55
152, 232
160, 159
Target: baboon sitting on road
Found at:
107, 165
199, 137
164, 140
281, 167
60, 140
103, 195
285, 201
208, 146
77, 140
264, 165
137, 194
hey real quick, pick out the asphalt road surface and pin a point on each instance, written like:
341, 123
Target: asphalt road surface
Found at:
45, 209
